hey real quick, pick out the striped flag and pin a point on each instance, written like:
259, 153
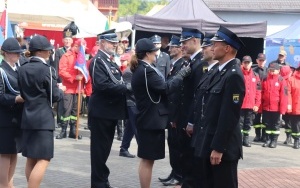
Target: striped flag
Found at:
80, 63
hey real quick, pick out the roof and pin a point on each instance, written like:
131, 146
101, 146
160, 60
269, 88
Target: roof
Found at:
254, 5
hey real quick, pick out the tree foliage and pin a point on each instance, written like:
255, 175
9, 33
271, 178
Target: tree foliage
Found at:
131, 7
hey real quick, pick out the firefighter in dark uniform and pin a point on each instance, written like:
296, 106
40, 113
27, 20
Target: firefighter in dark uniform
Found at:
107, 105
11, 107
221, 146
177, 62
67, 41
200, 98
163, 61
260, 128
150, 90
191, 44
38, 88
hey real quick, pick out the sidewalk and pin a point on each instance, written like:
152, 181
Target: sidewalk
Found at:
70, 167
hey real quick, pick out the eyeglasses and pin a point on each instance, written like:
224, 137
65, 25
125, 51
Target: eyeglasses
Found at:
124, 42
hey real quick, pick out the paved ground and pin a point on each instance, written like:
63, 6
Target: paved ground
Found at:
70, 167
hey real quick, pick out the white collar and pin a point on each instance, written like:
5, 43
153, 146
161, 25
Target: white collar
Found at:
211, 65
42, 59
194, 55
223, 65
105, 53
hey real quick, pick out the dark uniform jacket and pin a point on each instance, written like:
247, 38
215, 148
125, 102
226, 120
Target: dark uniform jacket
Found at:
163, 63
199, 102
174, 97
58, 54
262, 72
188, 89
127, 76
108, 99
38, 87
152, 112
222, 113
10, 112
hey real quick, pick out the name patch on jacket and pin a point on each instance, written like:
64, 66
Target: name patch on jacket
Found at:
236, 98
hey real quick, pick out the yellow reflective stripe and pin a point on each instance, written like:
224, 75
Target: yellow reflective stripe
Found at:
65, 118
73, 117
275, 132
257, 126
296, 134
263, 126
288, 130
268, 132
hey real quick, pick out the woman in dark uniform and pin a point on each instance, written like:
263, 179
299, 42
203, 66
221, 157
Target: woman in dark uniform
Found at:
39, 89
150, 90
11, 104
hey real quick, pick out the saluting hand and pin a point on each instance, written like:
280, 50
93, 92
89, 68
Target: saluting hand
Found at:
19, 99
215, 157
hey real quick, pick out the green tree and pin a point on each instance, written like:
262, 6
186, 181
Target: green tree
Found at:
131, 7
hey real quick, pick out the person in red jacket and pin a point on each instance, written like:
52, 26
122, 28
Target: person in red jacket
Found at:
285, 72
294, 105
70, 79
274, 103
252, 98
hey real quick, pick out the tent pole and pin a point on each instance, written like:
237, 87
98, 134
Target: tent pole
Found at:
132, 38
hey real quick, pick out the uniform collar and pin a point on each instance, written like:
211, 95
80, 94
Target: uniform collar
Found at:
224, 64
194, 54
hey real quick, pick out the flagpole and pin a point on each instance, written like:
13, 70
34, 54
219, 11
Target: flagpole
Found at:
78, 107
6, 20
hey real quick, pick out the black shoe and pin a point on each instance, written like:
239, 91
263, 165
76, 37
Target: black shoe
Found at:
246, 142
74, 136
119, 138
62, 134
86, 128
167, 178
171, 182
267, 143
288, 140
296, 144
273, 144
126, 154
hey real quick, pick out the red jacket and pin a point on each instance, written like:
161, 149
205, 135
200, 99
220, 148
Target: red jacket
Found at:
294, 93
274, 94
68, 73
253, 89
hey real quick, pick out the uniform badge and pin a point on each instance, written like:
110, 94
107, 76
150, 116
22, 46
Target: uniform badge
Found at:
236, 98
276, 84
253, 79
233, 70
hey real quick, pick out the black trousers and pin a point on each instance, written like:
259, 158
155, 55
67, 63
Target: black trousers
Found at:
70, 110
272, 122
174, 152
295, 125
60, 111
223, 175
287, 122
102, 135
130, 128
246, 121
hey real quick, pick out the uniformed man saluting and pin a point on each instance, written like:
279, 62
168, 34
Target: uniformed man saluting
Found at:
221, 147
107, 105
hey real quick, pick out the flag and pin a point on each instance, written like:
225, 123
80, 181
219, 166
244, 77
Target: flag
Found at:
5, 25
80, 64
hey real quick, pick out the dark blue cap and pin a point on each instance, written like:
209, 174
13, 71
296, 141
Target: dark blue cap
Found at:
188, 33
11, 45
109, 35
155, 39
225, 35
207, 40
175, 41
39, 42
145, 45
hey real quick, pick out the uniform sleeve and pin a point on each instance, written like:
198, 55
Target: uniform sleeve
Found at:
283, 97
258, 92
168, 64
101, 80
290, 100
232, 99
6, 99
63, 69
51, 86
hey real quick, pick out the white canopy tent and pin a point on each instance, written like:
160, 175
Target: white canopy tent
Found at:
57, 14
